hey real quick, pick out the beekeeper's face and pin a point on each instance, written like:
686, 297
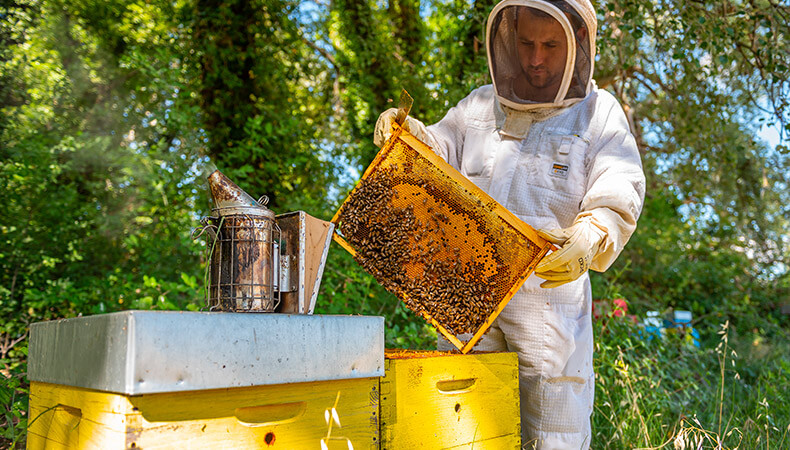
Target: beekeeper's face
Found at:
542, 50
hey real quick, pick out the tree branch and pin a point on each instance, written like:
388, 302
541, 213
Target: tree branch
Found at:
333, 62
6, 343
328, 56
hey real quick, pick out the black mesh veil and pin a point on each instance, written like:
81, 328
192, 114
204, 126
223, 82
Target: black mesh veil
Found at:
539, 52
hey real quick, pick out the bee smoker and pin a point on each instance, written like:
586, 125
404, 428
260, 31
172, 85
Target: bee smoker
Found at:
259, 262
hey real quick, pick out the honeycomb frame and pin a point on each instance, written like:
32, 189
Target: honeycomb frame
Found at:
435, 240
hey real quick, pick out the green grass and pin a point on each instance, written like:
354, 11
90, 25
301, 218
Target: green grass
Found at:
666, 393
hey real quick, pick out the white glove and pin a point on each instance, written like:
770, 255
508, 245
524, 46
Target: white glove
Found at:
579, 244
384, 128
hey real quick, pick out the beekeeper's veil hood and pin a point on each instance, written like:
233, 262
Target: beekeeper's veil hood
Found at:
541, 52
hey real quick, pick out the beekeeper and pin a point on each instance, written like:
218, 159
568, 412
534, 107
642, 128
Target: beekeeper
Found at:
556, 151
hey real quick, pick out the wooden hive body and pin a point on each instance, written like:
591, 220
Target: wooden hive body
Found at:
431, 400
288, 416
435, 400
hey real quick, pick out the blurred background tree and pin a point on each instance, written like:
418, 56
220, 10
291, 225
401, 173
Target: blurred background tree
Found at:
112, 112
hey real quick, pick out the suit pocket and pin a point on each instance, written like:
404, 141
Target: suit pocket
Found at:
561, 163
567, 402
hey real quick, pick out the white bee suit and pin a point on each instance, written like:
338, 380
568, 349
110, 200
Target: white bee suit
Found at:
550, 329
548, 163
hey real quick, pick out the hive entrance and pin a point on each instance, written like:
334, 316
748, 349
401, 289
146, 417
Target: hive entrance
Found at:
440, 244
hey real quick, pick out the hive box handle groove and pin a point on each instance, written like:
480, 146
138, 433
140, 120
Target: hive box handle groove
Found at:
455, 386
257, 416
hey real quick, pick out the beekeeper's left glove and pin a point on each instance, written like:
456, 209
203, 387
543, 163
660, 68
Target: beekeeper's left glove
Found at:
578, 243
384, 123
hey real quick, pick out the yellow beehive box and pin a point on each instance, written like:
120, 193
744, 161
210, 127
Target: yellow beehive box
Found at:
341, 414
437, 400
165, 379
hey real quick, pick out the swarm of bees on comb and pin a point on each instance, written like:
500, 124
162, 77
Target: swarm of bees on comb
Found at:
409, 235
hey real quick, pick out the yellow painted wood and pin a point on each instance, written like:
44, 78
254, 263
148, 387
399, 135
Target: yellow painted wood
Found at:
69, 417
287, 416
450, 401
343, 243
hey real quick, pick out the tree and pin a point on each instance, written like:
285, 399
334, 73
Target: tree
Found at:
698, 80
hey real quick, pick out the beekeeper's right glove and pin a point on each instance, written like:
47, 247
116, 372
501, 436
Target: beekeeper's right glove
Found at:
384, 128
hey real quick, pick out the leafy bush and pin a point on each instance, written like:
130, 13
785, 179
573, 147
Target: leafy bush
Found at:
13, 396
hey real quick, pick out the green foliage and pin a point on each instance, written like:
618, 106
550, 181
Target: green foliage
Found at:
258, 100
98, 204
698, 81
458, 47
13, 404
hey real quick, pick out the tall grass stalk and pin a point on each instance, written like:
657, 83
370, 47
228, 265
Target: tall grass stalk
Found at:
633, 397
721, 350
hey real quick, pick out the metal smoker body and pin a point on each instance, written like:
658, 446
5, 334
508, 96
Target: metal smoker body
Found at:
243, 250
260, 262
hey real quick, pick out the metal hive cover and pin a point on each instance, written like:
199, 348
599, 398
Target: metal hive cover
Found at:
427, 234
148, 352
